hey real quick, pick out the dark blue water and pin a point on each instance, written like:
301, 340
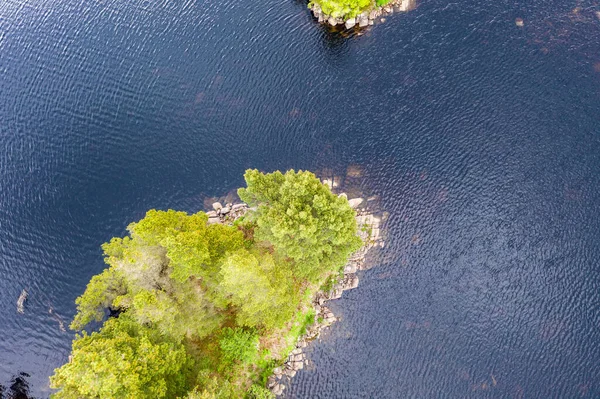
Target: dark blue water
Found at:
481, 138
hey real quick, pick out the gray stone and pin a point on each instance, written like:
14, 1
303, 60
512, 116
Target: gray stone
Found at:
21, 301
351, 282
271, 382
225, 211
363, 21
343, 195
211, 214
213, 220
278, 389
238, 206
291, 373
297, 365
350, 268
350, 23
336, 293
217, 205
333, 22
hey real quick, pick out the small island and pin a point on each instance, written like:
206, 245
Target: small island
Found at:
356, 13
218, 304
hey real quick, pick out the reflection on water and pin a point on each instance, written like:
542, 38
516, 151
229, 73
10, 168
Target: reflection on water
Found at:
18, 388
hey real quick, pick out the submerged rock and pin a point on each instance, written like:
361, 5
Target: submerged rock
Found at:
21, 301
355, 202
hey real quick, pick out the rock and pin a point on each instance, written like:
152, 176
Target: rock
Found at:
225, 211
297, 365
21, 301
217, 205
296, 351
598, 14
238, 206
373, 14
382, 20
277, 371
389, 9
213, 220
271, 382
291, 373
363, 21
350, 268
212, 214
333, 22
355, 202
371, 22
298, 358
350, 282
519, 22
321, 18
278, 389
336, 293
350, 23
342, 195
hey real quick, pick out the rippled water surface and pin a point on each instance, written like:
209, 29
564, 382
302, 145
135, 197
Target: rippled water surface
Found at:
481, 138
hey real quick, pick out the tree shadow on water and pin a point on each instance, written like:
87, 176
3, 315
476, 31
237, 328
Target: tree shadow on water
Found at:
18, 388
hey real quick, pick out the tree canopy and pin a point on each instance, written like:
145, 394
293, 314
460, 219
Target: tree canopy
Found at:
302, 219
123, 360
195, 305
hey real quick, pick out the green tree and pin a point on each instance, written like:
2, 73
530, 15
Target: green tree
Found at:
123, 360
239, 344
303, 220
262, 290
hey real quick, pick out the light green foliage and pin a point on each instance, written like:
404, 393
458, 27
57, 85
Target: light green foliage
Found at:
258, 392
101, 291
303, 220
122, 360
239, 345
149, 274
344, 8
262, 289
220, 295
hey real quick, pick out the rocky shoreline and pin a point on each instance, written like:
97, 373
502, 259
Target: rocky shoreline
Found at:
369, 231
364, 19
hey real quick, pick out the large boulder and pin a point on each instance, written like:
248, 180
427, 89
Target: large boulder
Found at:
217, 205
350, 23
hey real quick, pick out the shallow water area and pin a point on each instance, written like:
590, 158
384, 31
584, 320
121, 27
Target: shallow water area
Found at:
481, 139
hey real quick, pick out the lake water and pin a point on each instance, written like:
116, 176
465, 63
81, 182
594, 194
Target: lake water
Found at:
481, 138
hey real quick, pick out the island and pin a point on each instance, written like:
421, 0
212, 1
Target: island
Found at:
217, 304
356, 13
